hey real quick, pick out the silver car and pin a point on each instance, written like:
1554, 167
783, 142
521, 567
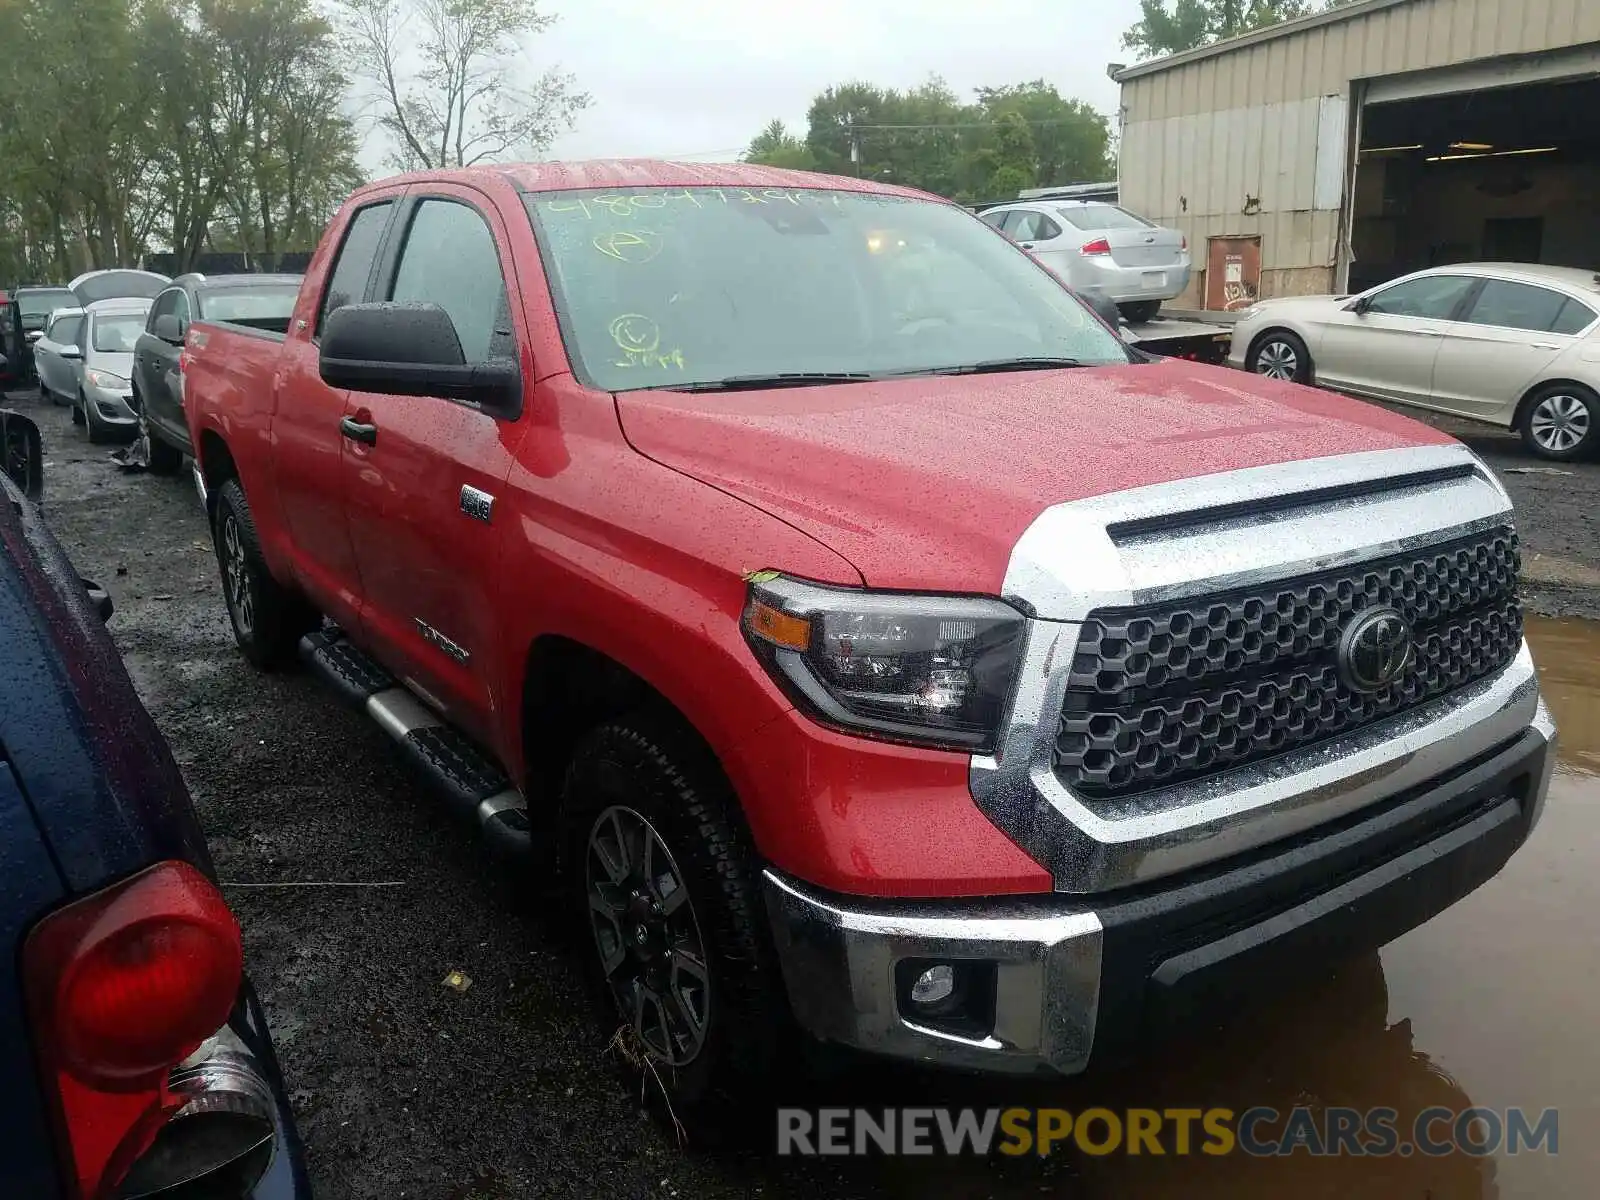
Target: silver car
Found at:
111, 329
1100, 247
58, 355
1512, 344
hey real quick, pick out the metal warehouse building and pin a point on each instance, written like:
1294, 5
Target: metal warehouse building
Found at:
1339, 150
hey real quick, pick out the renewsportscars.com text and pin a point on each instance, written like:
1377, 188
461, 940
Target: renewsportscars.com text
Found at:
1260, 1132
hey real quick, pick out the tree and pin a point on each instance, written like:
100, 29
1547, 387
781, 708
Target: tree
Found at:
1071, 141
775, 146
443, 72
926, 137
1173, 26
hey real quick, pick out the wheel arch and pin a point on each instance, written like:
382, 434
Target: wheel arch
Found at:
1543, 385
216, 460
569, 688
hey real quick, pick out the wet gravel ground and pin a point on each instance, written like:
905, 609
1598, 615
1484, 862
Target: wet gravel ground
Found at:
358, 896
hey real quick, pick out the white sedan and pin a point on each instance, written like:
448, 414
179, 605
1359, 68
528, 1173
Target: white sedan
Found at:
1513, 344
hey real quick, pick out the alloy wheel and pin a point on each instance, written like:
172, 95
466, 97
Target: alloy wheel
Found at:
1559, 423
236, 576
647, 936
1277, 360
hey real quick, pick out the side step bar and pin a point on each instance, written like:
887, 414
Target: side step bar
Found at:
467, 777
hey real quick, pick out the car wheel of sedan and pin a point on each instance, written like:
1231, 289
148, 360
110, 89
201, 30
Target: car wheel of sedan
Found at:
661, 875
1281, 355
77, 412
268, 619
1141, 311
1559, 421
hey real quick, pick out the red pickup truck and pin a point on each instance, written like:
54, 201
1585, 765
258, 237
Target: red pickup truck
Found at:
878, 645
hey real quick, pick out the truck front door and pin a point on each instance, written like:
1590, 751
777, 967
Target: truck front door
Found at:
421, 494
306, 428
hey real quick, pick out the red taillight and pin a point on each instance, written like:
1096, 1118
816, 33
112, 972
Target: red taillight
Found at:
1098, 246
1183, 242
122, 986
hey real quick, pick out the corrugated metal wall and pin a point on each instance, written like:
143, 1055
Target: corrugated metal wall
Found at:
1229, 144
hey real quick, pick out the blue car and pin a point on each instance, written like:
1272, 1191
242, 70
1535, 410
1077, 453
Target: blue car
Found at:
136, 1060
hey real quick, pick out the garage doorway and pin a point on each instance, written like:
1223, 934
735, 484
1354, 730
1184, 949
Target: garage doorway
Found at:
1507, 174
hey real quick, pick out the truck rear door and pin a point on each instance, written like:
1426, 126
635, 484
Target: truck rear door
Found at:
420, 495
306, 434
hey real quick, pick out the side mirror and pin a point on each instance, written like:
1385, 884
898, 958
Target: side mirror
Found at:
1360, 305
33, 335
169, 329
1104, 306
99, 598
412, 350
22, 454
71, 352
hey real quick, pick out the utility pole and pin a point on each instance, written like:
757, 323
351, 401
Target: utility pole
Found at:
855, 147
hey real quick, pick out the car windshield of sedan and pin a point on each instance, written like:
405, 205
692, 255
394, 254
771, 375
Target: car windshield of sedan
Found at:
667, 288
117, 334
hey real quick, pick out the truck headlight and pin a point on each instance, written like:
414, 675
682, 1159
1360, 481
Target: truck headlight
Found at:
930, 670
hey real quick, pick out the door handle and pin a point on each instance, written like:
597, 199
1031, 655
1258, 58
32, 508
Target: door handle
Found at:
356, 431
1543, 346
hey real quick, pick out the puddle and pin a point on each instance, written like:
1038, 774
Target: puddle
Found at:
1493, 1004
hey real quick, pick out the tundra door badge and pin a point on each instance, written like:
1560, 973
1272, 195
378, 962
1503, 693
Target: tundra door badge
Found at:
479, 505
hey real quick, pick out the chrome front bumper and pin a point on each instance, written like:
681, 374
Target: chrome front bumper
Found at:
1075, 978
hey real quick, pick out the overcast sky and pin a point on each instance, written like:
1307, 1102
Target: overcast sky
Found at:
699, 78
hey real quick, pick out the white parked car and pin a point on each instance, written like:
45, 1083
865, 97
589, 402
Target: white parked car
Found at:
1513, 344
58, 355
1100, 247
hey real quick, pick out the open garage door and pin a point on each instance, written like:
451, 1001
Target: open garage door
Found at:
1507, 173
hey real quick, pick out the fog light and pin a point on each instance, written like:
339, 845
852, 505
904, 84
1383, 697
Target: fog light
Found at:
934, 985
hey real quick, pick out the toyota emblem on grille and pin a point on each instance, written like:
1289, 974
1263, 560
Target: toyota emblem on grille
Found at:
1375, 649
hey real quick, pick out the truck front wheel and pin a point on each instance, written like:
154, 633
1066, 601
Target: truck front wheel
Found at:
268, 619
666, 890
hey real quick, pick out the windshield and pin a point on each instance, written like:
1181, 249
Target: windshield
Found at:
259, 302
1103, 216
36, 307
670, 287
116, 333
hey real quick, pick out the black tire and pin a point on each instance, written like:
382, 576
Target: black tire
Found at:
161, 458
1280, 354
268, 619
77, 413
651, 767
1558, 422
1140, 311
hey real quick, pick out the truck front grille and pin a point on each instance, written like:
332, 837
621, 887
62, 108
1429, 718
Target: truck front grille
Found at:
1176, 691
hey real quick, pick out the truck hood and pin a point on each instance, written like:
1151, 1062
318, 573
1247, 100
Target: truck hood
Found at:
927, 483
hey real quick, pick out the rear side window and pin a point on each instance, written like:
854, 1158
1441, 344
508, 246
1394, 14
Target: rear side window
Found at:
1574, 318
347, 282
1518, 306
1028, 226
1102, 216
450, 259
271, 302
67, 331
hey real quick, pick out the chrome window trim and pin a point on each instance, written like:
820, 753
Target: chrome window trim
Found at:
1080, 556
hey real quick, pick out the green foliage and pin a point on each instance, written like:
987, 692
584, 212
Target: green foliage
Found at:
926, 137
128, 124
1173, 26
775, 146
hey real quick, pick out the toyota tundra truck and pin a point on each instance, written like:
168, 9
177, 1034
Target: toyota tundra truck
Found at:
864, 640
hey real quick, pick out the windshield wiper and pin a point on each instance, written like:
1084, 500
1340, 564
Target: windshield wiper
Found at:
755, 383
991, 366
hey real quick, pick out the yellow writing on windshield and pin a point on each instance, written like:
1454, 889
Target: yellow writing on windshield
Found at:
629, 245
639, 339
630, 204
